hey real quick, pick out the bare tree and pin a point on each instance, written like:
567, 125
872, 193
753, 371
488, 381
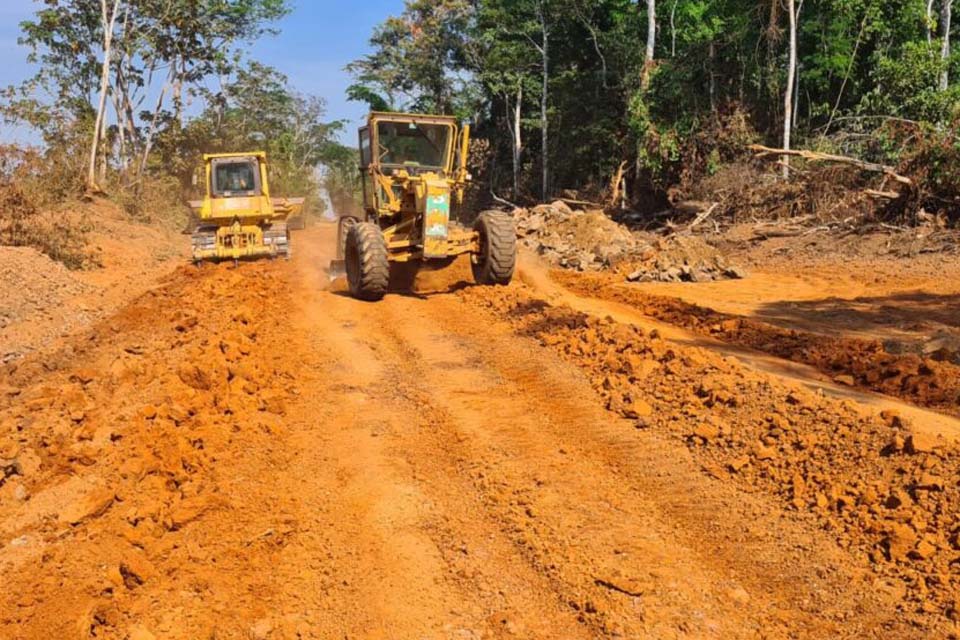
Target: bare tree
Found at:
544, 48
651, 41
946, 15
516, 132
108, 17
788, 92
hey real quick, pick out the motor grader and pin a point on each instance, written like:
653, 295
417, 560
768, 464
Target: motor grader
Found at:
414, 173
238, 219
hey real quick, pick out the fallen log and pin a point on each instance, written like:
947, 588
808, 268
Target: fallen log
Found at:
580, 203
816, 156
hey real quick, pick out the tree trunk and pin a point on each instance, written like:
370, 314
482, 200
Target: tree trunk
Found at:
946, 15
788, 91
544, 101
517, 139
928, 25
648, 60
673, 29
712, 56
148, 140
109, 19
121, 128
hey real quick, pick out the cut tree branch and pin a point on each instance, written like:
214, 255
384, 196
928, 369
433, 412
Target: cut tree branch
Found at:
816, 156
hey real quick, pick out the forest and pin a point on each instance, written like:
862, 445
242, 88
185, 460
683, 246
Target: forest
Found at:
572, 94
635, 103
109, 101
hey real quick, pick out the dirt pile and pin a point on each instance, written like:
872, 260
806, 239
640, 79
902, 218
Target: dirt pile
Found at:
931, 380
590, 241
44, 300
34, 288
580, 240
110, 449
683, 258
33, 283
886, 492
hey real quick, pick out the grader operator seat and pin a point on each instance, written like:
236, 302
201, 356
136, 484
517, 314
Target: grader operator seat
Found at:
414, 176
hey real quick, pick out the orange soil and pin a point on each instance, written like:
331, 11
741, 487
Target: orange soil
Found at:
249, 453
923, 381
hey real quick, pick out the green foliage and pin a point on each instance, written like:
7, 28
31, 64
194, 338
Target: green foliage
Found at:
259, 111
718, 81
906, 86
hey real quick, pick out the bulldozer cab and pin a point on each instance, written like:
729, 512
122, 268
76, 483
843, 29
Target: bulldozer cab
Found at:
235, 178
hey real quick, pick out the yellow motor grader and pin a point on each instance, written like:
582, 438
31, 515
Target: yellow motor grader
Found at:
414, 171
237, 218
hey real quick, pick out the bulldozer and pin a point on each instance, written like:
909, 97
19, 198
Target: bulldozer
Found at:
414, 176
238, 219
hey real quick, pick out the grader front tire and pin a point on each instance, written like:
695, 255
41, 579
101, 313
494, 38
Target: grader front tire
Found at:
496, 260
368, 268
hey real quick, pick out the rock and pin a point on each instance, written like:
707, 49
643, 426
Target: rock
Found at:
892, 418
92, 505
737, 464
195, 377
900, 541
189, 510
765, 453
922, 443
930, 482
273, 402
735, 273
924, 551
637, 408
561, 207
635, 276
671, 275
897, 443
707, 432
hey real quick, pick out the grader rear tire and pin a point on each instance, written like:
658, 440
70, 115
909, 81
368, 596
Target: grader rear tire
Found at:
368, 268
496, 261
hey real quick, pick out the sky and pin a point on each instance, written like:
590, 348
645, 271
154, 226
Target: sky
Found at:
315, 43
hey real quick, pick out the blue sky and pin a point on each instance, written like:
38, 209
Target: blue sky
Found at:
315, 42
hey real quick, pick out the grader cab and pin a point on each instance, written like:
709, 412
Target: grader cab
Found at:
414, 172
238, 219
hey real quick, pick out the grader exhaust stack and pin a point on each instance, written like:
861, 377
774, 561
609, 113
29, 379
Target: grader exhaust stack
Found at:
414, 172
238, 219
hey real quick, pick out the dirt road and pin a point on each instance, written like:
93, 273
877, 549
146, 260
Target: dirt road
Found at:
249, 453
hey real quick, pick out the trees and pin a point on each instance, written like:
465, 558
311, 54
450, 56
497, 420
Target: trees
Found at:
118, 52
946, 15
650, 54
788, 93
108, 20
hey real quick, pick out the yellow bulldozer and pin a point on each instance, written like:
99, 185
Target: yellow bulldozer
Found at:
414, 173
238, 219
